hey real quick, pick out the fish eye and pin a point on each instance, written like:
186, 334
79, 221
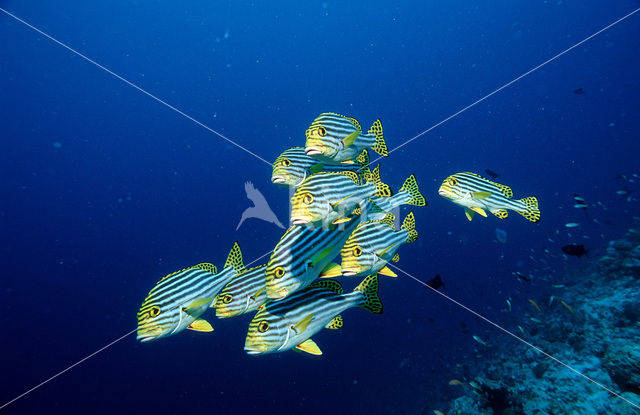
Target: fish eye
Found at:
279, 272
155, 311
263, 326
307, 199
453, 182
285, 162
322, 131
227, 298
357, 251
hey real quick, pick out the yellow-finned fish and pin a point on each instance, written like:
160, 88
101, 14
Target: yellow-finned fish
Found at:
243, 294
326, 198
478, 195
178, 300
293, 166
334, 138
290, 323
373, 244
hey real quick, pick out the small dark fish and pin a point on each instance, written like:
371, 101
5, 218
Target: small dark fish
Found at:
522, 277
435, 282
575, 250
491, 173
579, 91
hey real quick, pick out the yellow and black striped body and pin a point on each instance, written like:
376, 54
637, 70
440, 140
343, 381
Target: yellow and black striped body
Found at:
286, 324
373, 244
302, 254
243, 294
333, 138
294, 165
477, 195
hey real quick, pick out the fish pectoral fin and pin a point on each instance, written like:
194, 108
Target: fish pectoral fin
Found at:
331, 270
347, 162
341, 220
386, 271
196, 307
479, 211
335, 323
480, 195
302, 325
469, 213
316, 168
309, 346
350, 139
257, 293
501, 213
200, 325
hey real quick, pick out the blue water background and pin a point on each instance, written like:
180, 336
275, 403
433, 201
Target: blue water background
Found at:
104, 190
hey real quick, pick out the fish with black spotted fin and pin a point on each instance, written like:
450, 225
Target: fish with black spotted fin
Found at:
373, 244
178, 299
478, 195
290, 323
326, 198
334, 138
294, 165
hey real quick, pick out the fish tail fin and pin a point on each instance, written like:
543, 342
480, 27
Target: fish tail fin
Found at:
380, 146
531, 211
382, 189
409, 224
411, 186
369, 287
235, 259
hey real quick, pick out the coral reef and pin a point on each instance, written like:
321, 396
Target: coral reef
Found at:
592, 323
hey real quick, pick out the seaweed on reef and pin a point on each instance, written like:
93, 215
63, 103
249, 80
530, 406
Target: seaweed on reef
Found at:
501, 401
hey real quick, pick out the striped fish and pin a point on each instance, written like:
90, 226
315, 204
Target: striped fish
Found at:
326, 198
178, 300
293, 166
290, 323
373, 244
243, 294
334, 138
477, 194
303, 254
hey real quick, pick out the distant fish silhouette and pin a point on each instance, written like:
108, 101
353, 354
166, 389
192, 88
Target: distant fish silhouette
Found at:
579, 91
260, 208
491, 173
435, 282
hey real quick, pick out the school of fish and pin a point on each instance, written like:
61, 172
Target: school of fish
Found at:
340, 208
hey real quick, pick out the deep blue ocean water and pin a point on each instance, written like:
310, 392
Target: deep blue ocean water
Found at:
105, 190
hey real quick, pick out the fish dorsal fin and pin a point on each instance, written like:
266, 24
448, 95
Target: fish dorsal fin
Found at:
206, 266
382, 189
331, 270
506, 190
386, 271
353, 121
479, 210
388, 220
396, 258
302, 325
335, 323
310, 347
331, 285
200, 325
235, 259
351, 175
